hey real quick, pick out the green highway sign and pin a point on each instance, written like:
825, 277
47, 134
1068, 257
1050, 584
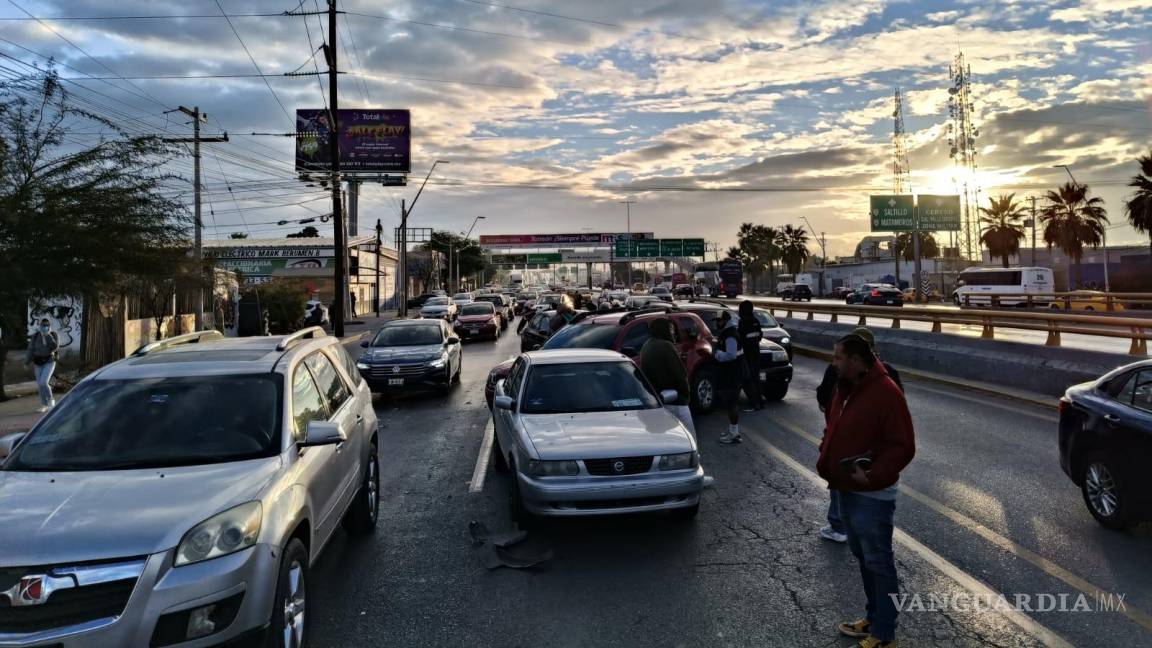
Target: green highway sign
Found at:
938, 213
509, 259
895, 213
548, 257
693, 247
671, 247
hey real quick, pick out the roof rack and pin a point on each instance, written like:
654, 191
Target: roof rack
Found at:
178, 340
310, 333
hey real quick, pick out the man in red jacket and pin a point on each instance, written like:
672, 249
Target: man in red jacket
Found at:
869, 440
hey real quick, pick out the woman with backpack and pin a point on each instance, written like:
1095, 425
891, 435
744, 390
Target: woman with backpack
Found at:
41, 356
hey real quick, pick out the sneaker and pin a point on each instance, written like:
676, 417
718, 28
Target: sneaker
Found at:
708, 481
858, 628
727, 440
42, 409
828, 533
873, 642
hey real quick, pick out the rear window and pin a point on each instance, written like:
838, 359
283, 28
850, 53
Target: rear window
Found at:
481, 308
584, 336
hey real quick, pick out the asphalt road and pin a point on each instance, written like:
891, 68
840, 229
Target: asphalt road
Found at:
985, 509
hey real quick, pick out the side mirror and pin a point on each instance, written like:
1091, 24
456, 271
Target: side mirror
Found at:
504, 403
453, 340
669, 395
631, 352
364, 344
9, 443
324, 433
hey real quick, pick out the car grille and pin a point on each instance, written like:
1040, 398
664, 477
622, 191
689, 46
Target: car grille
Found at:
389, 371
617, 503
68, 607
607, 467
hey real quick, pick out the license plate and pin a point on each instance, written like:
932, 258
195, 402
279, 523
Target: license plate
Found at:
395, 382
473, 329
891, 301
763, 375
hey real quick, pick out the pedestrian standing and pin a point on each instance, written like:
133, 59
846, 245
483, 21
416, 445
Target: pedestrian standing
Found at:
835, 530
41, 357
750, 335
564, 313
868, 442
729, 375
352, 299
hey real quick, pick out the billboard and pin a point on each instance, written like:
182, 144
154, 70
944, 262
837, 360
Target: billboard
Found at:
555, 240
370, 141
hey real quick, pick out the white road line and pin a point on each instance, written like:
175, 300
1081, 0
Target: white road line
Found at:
481, 469
1040, 562
1025, 410
962, 578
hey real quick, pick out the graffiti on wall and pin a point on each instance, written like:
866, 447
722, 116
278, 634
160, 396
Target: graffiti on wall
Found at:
64, 314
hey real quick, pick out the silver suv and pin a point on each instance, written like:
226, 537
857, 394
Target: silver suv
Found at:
179, 496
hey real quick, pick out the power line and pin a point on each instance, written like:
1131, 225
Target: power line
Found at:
254, 63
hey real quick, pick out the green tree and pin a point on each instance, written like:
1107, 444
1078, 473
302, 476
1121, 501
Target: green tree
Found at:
466, 252
307, 232
1139, 207
1072, 219
929, 248
238, 235
793, 244
1002, 226
78, 220
759, 246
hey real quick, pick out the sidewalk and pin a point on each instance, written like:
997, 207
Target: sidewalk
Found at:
365, 324
19, 414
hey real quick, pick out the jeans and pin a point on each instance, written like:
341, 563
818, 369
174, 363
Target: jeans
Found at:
752, 380
835, 520
869, 522
44, 381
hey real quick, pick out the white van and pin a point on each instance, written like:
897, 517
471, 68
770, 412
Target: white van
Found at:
976, 286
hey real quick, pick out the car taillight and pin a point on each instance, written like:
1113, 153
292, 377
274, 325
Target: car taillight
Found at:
875, 293
1064, 404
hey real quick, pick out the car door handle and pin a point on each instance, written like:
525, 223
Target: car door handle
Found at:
1111, 418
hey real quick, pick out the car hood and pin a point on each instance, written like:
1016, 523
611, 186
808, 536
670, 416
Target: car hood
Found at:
603, 435
59, 517
385, 355
475, 319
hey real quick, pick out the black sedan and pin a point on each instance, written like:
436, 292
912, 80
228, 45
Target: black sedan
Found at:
876, 294
1106, 444
411, 355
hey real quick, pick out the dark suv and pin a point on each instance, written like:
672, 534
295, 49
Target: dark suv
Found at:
798, 292
876, 294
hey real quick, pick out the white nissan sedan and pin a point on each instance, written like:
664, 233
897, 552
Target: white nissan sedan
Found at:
584, 433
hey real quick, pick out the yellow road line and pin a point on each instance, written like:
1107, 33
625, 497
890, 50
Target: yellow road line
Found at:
1045, 565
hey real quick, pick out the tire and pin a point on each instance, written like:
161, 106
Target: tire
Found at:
498, 460
289, 627
704, 392
1089, 309
685, 514
364, 512
775, 392
1106, 492
516, 510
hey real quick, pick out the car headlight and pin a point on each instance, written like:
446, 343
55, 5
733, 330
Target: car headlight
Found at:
780, 356
362, 366
682, 461
553, 468
785, 340
220, 535
438, 363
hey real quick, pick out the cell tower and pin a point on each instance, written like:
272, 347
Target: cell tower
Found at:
962, 134
901, 174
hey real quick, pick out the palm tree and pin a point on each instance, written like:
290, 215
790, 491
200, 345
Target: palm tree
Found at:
929, 249
757, 244
1139, 206
793, 243
1002, 226
1072, 220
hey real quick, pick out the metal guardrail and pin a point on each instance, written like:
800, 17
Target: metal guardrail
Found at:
1055, 322
1048, 300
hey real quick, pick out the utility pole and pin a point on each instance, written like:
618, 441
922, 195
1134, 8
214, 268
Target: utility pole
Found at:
631, 246
198, 246
1033, 200
823, 253
379, 237
330, 50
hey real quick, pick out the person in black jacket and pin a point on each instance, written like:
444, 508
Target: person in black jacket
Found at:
835, 530
750, 335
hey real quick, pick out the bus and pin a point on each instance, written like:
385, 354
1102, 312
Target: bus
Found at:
731, 278
977, 286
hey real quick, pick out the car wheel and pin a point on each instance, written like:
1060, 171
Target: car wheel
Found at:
775, 391
516, 510
365, 510
704, 391
685, 514
498, 460
288, 627
1105, 492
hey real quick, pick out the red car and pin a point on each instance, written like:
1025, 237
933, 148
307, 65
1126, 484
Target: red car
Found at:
626, 333
478, 320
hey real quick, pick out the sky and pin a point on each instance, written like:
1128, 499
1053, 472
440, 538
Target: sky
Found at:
706, 114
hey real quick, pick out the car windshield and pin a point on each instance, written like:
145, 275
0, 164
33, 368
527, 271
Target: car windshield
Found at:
765, 318
391, 336
586, 387
437, 301
482, 308
156, 422
461, 296
583, 336
550, 299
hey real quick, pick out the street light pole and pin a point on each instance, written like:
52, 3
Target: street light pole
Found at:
405, 210
465, 244
823, 253
631, 246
